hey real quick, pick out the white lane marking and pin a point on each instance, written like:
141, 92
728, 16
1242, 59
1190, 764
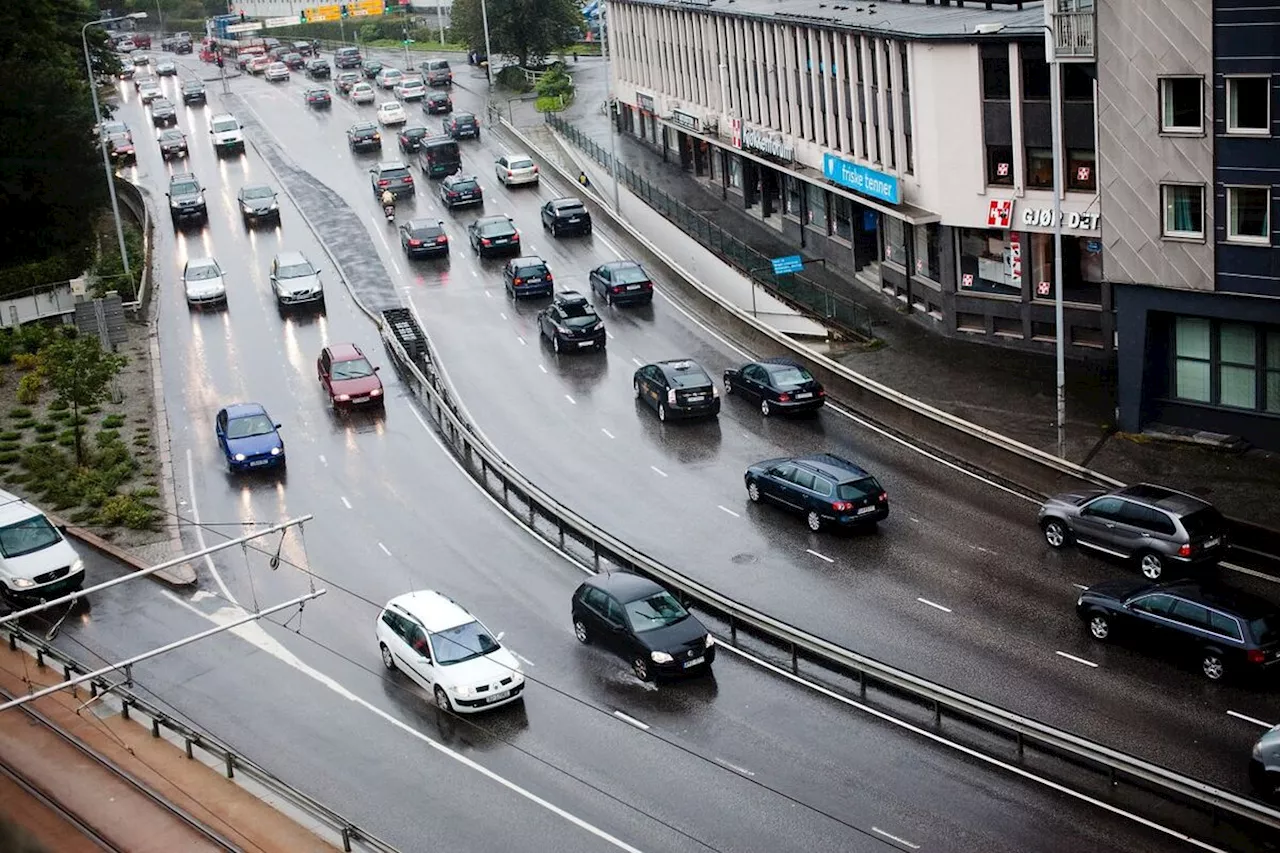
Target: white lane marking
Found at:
476, 274
195, 516
638, 362
819, 556
1247, 571
726, 509
966, 750
904, 842
254, 633
487, 294
606, 432
572, 401
644, 727
502, 314
934, 604
1248, 719
522, 341
345, 502
395, 266
1076, 659
543, 369
1079, 586
658, 471
608, 334
734, 767
521, 657
323, 461
384, 549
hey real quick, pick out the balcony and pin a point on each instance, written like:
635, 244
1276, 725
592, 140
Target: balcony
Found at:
1073, 31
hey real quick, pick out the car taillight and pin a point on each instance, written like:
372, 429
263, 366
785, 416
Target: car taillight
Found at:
842, 506
1255, 656
415, 242
442, 239
452, 194
548, 276
510, 173
377, 137
784, 398
821, 393
518, 281
883, 497
384, 183
1185, 550
671, 396
617, 289
515, 238
535, 170
484, 241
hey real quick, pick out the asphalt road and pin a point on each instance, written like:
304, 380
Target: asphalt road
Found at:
394, 513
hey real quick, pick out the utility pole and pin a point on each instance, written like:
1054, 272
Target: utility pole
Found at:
488, 51
613, 118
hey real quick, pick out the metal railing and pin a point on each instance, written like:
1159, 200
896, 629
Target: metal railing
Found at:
796, 290
1073, 34
1203, 807
129, 193
350, 836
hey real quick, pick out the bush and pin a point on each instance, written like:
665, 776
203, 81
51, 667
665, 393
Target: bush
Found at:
46, 428
26, 361
146, 492
46, 438
26, 423
31, 338
91, 410
552, 104
58, 405
554, 83
60, 416
106, 436
113, 422
19, 413
6, 348
108, 269
6, 446
127, 510
8, 457
11, 435
29, 389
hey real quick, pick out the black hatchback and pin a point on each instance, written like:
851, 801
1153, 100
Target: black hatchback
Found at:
566, 216
459, 189
422, 238
364, 137
642, 623
528, 276
1225, 631
777, 384
678, 388
826, 489
492, 235
571, 324
462, 126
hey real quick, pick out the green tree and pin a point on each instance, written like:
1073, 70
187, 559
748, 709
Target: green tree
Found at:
50, 170
79, 371
529, 30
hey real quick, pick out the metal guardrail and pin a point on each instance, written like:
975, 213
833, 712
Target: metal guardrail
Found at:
346, 832
1015, 734
796, 290
128, 192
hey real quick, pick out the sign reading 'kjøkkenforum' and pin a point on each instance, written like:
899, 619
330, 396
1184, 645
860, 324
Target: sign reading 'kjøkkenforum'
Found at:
860, 179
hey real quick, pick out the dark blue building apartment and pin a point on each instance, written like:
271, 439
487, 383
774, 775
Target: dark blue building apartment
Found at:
1189, 150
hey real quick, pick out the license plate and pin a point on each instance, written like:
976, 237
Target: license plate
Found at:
695, 398
255, 463
533, 281
497, 697
359, 399
694, 662
587, 344
1212, 543
575, 218
500, 240
866, 509
805, 396
633, 287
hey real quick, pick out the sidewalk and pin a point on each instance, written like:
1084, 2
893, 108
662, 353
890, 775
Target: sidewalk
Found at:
1010, 392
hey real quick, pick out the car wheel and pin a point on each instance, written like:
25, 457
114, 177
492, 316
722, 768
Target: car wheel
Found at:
662, 411
1212, 665
640, 667
442, 699
580, 631
1099, 626
814, 521
764, 408
387, 660
753, 492
1055, 533
728, 386
1152, 565
635, 388
555, 343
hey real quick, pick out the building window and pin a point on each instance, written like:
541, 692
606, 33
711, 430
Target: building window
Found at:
735, 172
1271, 388
1182, 105
1247, 214
817, 198
1081, 170
1081, 267
995, 72
1249, 105
1035, 72
1183, 211
927, 248
1237, 365
906, 106
1000, 165
895, 240
1040, 168
1192, 359
987, 262
1077, 83
792, 198
1226, 363
841, 217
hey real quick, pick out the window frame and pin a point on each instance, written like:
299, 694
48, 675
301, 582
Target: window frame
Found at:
1265, 336
1247, 239
1233, 130
1170, 234
994, 179
1179, 130
1030, 172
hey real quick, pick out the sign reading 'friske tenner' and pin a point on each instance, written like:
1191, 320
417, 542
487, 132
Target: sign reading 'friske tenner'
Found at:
860, 179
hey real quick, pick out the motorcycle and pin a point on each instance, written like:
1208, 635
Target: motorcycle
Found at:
389, 210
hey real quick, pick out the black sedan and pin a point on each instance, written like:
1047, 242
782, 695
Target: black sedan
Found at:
642, 623
491, 235
163, 113
411, 138
317, 97
566, 216
258, 203
193, 92
421, 238
826, 489
364, 137
318, 69
777, 384
459, 189
437, 103
622, 281
173, 143
294, 61
679, 388
370, 68
571, 324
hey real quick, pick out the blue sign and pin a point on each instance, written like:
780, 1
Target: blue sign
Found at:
860, 179
791, 263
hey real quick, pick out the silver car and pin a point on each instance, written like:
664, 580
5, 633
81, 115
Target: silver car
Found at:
203, 283
1158, 528
294, 281
276, 72
515, 169
1264, 765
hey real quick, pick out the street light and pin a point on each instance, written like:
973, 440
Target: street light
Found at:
102, 137
488, 53
613, 118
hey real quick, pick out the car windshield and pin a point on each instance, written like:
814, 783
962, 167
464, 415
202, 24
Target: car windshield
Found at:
160, 104
570, 210
249, 425
415, 132
297, 270
356, 368
171, 136
1204, 522
192, 86
28, 536
656, 611
258, 192
858, 489
202, 272
629, 275
463, 186
1266, 629
526, 163
581, 314
791, 376
225, 125
496, 229
184, 188
691, 379
113, 127
464, 118
119, 141
462, 643
402, 172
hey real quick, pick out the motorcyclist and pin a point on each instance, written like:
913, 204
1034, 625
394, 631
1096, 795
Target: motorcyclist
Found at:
388, 199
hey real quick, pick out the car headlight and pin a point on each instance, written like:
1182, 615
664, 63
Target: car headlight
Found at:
239, 457
376, 392
342, 398
464, 691
661, 657
276, 451
77, 567
711, 641
23, 583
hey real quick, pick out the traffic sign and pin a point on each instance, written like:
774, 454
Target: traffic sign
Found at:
319, 14
788, 264
366, 8
247, 27
272, 23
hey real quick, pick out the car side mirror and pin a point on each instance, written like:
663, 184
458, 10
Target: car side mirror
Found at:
278, 426
377, 368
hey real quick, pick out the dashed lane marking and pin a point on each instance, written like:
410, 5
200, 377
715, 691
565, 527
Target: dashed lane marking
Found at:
543, 369
904, 842
934, 604
1088, 663
572, 401
323, 461
522, 341
384, 549
726, 509
658, 471
637, 362
345, 502
606, 432
644, 727
819, 556
1248, 719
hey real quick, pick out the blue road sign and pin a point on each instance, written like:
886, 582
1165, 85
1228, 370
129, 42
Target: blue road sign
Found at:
791, 263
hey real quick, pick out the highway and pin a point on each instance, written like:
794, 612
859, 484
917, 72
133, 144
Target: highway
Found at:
393, 512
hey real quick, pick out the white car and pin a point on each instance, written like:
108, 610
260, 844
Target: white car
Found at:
391, 113
276, 72
141, 59
126, 46
516, 169
388, 78
362, 93
411, 89
166, 68
36, 562
203, 283
435, 642
149, 91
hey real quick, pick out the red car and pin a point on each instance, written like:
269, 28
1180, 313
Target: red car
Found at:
348, 377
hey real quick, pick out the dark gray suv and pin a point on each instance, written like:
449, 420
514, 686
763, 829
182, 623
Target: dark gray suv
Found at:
1158, 528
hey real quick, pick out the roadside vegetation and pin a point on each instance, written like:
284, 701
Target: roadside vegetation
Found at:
555, 90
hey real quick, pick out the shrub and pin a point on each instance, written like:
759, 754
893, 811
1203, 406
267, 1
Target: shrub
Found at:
58, 405
29, 389
127, 510
10, 436
83, 516
67, 440
46, 428
6, 349
46, 438
18, 413
146, 492
106, 436
113, 422
60, 416
26, 361
81, 421
91, 410
31, 338
8, 457
26, 423
6, 446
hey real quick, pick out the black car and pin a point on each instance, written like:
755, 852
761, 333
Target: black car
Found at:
121, 147
677, 388
622, 281
1264, 765
317, 97
411, 138
163, 113
1225, 631
566, 216
826, 489
186, 199
462, 126
424, 237
777, 384
258, 203
294, 61
173, 143
364, 137
459, 189
391, 175
347, 57
370, 68
527, 276
318, 69
571, 323
193, 92
491, 235
303, 48
344, 81
642, 623
436, 103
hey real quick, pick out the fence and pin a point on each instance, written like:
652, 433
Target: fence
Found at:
794, 289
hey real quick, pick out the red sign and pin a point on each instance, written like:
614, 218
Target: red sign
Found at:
1015, 257
966, 280
1043, 288
1002, 170
999, 213
1082, 173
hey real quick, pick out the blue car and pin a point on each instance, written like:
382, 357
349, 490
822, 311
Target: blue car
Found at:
249, 438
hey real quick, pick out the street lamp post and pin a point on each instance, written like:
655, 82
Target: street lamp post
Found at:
1055, 104
102, 137
160, 19
488, 54
613, 118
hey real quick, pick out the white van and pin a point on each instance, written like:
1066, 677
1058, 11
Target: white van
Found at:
228, 138
35, 560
